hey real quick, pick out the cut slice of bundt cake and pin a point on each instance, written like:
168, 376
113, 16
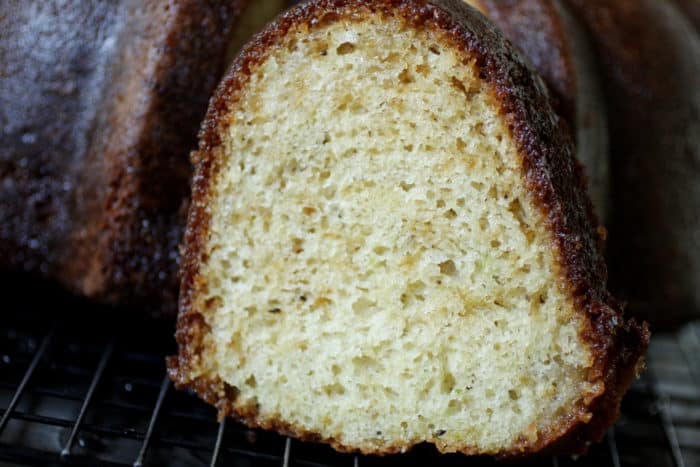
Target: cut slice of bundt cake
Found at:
389, 243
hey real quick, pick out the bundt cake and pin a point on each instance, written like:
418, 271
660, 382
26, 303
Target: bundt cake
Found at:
649, 60
389, 243
96, 121
100, 104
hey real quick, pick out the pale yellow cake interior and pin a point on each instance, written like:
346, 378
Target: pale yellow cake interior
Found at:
378, 272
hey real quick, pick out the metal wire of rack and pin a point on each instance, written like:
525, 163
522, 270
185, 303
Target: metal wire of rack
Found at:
91, 390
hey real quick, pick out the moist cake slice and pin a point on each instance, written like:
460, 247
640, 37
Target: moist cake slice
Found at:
390, 243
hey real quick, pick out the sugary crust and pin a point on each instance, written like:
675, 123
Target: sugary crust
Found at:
649, 58
94, 169
554, 180
47, 102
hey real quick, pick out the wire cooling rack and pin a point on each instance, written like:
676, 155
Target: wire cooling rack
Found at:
86, 386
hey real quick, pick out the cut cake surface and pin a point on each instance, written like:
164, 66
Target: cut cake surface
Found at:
390, 243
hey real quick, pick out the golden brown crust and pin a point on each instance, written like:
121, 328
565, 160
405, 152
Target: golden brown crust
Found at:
553, 177
94, 169
649, 60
